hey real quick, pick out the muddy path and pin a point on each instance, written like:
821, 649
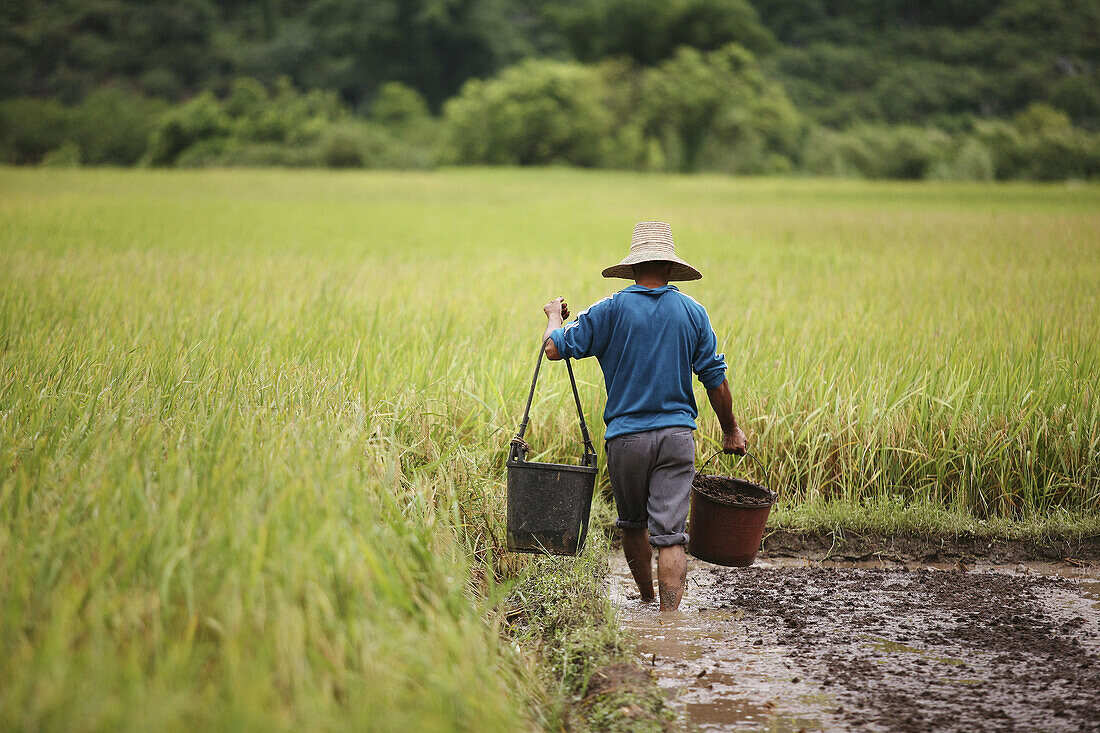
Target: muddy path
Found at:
902, 546
801, 645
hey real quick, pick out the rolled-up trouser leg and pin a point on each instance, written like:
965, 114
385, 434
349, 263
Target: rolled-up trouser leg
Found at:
670, 488
651, 476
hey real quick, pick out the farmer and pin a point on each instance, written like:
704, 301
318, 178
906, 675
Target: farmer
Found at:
649, 337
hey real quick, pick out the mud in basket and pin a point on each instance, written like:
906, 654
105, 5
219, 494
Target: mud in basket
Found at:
549, 503
727, 517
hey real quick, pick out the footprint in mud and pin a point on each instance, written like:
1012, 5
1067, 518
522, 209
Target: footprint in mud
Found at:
779, 647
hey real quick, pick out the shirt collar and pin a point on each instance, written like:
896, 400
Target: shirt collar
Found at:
636, 288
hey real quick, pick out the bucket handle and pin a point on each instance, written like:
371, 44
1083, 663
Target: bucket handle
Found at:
759, 465
519, 446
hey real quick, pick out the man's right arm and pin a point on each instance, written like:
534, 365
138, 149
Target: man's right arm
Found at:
556, 312
733, 439
585, 336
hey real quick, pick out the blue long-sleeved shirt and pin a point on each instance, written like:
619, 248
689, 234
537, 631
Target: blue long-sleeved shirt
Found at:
648, 343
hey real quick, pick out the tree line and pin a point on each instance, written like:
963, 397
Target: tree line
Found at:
882, 88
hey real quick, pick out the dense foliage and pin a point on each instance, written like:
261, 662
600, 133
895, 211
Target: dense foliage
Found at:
953, 89
944, 60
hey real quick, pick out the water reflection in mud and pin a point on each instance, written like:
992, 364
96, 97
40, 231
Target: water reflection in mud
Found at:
728, 669
721, 668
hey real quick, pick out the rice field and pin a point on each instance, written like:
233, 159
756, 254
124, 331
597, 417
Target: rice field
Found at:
253, 423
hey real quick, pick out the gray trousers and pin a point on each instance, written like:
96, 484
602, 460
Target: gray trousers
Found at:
651, 476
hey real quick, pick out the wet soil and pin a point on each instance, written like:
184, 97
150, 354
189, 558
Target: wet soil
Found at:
851, 545
731, 491
802, 645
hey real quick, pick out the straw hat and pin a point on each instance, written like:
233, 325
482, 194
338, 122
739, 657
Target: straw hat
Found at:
652, 241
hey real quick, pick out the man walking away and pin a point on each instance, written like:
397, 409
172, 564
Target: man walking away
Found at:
649, 339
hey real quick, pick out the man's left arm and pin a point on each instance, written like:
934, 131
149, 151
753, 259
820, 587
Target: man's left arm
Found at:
733, 438
711, 368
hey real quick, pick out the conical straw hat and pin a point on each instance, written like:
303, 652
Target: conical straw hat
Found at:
652, 241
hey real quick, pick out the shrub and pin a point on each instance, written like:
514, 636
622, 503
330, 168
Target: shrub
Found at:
877, 151
357, 144
972, 162
1040, 143
66, 155
398, 105
112, 126
343, 147
537, 112
1058, 154
914, 150
292, 117
209, 152
1005, 144
30, 128
1052, 148
629, 145
200, 119
720, 100
402, 113
247, 128
826, 152
884, 151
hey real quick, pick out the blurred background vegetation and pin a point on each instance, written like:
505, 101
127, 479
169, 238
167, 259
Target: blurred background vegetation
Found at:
940, 89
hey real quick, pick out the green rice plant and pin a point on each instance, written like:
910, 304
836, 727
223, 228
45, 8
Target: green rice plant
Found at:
253, 423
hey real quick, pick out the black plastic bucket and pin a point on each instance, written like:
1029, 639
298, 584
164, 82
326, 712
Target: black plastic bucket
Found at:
549, 503
548, 506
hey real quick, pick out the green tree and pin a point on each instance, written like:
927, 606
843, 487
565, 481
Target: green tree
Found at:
30, 128
250, 126
1052, 148
972, 162
398, 105
70, 47
200, 119
431, 45
846, 61
112, 126
649, 31
721, 95
537, 112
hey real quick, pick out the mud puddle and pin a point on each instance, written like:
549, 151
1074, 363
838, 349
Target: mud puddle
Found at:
790, 645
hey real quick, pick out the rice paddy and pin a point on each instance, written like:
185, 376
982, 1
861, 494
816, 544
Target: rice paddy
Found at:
253, 423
